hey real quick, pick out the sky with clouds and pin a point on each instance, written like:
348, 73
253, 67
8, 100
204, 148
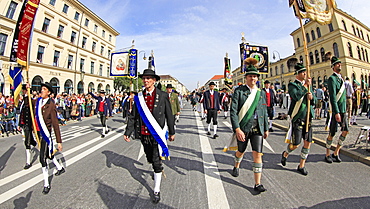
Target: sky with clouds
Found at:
190, 38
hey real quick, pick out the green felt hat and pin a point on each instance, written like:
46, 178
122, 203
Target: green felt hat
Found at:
250, 66
299, 67
335, 60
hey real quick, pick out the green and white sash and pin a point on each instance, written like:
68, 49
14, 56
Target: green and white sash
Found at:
339, 95
298, 108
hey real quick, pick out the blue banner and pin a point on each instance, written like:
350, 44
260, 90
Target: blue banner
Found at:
133, 63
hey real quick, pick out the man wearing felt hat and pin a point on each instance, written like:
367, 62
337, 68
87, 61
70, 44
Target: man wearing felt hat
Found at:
103, 106
211, 104
298, 91
150, 114
337, 95
248, 114
270, 99
174, 100
224, 101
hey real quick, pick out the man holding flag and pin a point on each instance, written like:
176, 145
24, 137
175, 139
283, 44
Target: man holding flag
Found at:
151, 112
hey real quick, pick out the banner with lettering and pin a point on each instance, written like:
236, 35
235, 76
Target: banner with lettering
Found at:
25, 30
133, 63
14, 49
227, 73
320, 11
260, 53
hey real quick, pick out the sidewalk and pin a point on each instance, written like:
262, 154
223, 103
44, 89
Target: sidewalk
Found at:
357, 152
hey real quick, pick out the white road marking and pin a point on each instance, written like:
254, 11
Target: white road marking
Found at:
215, 190
265, 143
26, 185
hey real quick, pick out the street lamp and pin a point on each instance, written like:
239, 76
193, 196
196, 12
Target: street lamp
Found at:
273, 54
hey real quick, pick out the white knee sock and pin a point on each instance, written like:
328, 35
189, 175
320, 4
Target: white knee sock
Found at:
157, 181
270, 126
46, 176
354, 119
209, 127
103, 131
57, 164
214, 129
28, 156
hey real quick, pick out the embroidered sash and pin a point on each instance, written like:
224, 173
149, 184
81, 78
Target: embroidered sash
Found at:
159, 134
339, 95
43, 128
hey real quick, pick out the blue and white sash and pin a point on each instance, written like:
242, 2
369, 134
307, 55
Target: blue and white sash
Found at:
124, 101
159, 134
43, 128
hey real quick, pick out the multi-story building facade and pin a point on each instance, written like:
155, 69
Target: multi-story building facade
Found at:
346, 37
219, 80
179, 87
70, 48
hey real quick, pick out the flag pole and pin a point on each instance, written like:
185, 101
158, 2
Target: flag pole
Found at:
307, 61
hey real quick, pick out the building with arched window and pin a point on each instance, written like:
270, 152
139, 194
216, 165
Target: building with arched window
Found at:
67, 37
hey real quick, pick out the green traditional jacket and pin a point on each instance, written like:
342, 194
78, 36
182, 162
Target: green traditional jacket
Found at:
334, 85
240, 95
296, 91
175, 105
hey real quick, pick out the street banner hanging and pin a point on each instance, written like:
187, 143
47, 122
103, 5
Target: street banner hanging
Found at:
119, 64
151, 64
14, 49
227, 73
25, 30
16, 77
133, 63
320, 11
260, 53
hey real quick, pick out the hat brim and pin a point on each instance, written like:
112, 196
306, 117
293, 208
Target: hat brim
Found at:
155, 76
48, 87
338, 61
301, 70
252, 73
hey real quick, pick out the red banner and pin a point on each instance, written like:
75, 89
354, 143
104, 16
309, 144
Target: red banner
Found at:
25, 30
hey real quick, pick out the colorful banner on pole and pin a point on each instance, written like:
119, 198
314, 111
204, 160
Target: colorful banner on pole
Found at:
25, 30
14, 49
124, 64
133, 63
16, 77
227, 73
260, 53
151, 64
320, 11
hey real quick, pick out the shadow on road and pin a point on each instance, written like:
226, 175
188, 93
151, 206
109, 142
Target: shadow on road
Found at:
353, 202
5, 157
22, 202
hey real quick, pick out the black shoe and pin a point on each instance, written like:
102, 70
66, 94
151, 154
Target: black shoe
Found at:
303, 171
335, 158
27, 166
328, 159
259, 188
156, 197
271, 130
214, 136
354, 123
225, 117
46, 190
283, 159
102, 136
235, 172
208, 133
59, 172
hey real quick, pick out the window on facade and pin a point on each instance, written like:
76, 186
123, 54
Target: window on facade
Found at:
358, 52
331, 29
77, 15
368, 38
40, 54
109, 53
101, 70
93, 46
311, 58
317, 56
3, 39
313, 35
322, 53
301, 59
344, 25
101, 50
73, 37
358, 32
92, 67
367, 57
70, 61
282, 69
11, 10
60, 31
56, 58
350, 49
82, 65
45, 25
103, 33
362, 35
65, 8
335, 49
84, 40
87, 22
52, 2
318, 31
108, 72
363, 53
276, 70
95, 28
308, 38
110, 37
354, 30
298, 42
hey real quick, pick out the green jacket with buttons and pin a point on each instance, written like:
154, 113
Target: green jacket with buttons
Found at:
239, 97
296, 92
334, 85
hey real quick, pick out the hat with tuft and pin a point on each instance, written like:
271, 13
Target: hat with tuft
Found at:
250, 64
299, 67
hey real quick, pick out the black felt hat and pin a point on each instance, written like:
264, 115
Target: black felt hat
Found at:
169, 86
149, 72
48, 86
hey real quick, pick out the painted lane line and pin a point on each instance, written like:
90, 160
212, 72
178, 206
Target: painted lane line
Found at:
215, 189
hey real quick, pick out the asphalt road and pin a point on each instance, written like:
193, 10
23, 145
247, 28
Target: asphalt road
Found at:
111, 173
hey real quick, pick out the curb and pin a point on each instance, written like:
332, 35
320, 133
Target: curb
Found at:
352, 154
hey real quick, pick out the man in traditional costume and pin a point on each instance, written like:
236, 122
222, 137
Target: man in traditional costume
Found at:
150, 113
298, 91
270, 99
46, 118
224, 101
337, 95
249, 121
211, 104
174, 100
103, 105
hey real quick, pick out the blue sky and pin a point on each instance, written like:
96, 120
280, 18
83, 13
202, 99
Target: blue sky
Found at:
190, 38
